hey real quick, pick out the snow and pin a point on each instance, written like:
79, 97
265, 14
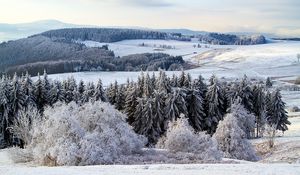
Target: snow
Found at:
277, 60
195, 169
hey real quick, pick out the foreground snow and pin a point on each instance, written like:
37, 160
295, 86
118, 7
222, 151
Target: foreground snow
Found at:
195, 169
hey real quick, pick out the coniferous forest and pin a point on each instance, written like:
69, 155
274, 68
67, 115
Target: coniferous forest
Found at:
150, 103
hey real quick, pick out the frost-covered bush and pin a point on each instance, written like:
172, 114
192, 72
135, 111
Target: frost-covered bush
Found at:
180, 137
94, 133
232, 140
294, 109
245, 119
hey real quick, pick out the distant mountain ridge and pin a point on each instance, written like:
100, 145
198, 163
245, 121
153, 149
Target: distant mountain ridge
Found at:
23, 30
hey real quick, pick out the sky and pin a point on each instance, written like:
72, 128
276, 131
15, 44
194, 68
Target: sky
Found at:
271, 16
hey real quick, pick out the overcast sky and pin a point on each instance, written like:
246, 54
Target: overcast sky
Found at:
274, 16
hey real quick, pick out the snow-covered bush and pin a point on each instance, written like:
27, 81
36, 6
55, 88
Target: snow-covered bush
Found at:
24, 122
245, 119
180, 137
232, 140
94, 133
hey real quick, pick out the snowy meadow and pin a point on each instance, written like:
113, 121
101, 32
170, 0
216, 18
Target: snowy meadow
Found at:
235, 108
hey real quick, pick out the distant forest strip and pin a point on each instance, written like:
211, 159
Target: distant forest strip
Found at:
37, 53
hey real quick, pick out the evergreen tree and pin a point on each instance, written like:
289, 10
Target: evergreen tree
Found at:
175, 104
17, 97
279, 117
163, 83
38, 94
120, 98
99, 92
196, 114
187, 81
131, 103
28, 89
112, 93
174, 81
5, 109
259, 108
89, 92
215, 108
147, 88
181, 79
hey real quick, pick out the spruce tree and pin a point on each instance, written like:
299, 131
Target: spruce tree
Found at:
259, 108
175, 104
196, 113
120, 98
131, 103
279, 117
99, 92
214, 106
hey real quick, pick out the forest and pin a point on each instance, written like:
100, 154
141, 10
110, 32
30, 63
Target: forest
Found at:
151, 103
228, 39
37, 53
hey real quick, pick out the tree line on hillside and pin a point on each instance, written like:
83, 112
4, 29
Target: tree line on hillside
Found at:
35, 54
107, 35
151, 102
228, 39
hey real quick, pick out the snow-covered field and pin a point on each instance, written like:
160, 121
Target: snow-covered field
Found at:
277, 60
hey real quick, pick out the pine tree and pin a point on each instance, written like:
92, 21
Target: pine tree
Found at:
162, 84
131, 103
147, 88
187, 81
259, 108
120, 98
174, 81
38, 94
196, 114
158, 111
46, 86
279, 116
17, 96
99, 92
175, 104
4, 109
214, 106
89, 92
112, 93
28, 89
181, 79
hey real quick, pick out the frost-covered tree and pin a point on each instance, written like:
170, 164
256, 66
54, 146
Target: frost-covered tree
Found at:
120, 98
199, 85
181, 79
111, 92
91, 134
17, 96
28, 89
131, 103
195, 107
246, 120
175, 104
99, 92
278, 116
232, 140
180, 137
244, 92
259, 108
5, 119
148, 121
174, 81
147, 86
214, 106
163, 84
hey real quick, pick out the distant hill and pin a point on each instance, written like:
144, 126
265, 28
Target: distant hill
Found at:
22, 30
60, 55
